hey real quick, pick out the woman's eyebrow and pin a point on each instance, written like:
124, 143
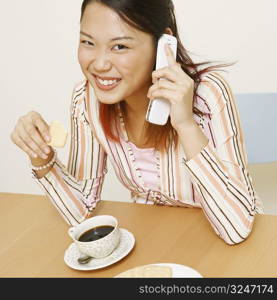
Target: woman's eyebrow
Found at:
114, 39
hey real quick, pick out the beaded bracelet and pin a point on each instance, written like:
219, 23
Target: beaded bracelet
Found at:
49, 164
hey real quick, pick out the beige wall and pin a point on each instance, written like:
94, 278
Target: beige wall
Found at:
243, 31
39, 45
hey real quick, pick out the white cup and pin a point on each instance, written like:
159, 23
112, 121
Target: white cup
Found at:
101, 247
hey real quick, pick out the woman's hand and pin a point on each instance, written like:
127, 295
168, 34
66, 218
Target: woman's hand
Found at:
178, 89
31, 134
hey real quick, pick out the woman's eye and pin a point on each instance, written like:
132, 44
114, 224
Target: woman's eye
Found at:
86, 43
120, 47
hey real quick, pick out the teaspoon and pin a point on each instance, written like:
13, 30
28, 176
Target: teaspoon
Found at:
84, 259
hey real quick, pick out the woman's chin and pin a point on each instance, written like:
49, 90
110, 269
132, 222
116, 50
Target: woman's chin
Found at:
108, 100
107, 97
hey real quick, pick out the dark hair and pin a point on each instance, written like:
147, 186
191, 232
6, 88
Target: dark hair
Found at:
153, 17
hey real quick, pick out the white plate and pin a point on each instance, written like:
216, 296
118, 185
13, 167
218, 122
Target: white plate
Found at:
127, 242
178, 271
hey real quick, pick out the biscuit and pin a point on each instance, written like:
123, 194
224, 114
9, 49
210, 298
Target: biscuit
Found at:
147, 271
58, 135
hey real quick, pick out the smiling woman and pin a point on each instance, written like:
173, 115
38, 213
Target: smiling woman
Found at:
197, 159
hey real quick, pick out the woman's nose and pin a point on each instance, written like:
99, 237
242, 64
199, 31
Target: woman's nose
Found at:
101, 62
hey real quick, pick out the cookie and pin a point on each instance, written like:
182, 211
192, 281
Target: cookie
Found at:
58, 135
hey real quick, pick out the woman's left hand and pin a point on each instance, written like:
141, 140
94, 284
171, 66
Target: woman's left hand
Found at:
178, 89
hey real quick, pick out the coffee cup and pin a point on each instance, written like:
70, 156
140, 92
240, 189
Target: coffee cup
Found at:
97, 236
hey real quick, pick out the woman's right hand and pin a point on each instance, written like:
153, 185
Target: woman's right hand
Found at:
31, 134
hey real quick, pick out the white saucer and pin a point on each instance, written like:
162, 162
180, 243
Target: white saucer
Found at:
127, 242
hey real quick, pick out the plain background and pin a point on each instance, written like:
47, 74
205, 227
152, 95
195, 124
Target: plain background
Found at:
39, 41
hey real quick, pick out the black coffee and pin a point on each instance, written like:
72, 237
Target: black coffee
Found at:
96, 233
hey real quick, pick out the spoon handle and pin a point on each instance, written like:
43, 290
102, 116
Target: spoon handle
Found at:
84, 259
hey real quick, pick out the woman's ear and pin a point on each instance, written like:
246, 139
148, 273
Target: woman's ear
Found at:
168, 31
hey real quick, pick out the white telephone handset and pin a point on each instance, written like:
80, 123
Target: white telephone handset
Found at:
159, 109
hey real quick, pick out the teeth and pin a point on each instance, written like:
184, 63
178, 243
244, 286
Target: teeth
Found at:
106, 82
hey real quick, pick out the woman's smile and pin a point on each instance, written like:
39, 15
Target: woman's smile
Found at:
106, 83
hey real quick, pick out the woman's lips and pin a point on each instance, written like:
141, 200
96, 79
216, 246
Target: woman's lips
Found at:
106, 87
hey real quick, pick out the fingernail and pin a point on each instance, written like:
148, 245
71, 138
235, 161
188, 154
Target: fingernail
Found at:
34, 155
46, 150
47, 138
43, 156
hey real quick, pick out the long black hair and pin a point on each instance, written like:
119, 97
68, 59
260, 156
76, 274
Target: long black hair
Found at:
153, 17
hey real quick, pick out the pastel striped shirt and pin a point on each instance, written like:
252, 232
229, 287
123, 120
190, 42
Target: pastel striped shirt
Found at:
216, 179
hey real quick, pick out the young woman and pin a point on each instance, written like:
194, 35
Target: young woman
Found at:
197, 159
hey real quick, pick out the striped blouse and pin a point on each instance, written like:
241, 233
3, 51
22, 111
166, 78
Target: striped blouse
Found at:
216, 179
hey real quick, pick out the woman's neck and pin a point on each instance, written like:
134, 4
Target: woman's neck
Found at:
134, 112
136, 108
135, 124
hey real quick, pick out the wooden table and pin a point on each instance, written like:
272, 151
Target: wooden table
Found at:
34, 238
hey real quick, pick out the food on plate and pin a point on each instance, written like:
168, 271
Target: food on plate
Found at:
147, 271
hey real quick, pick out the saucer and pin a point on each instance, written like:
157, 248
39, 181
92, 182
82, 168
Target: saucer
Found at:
126, 244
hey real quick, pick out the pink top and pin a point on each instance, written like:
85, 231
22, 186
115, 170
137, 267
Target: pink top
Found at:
146, 163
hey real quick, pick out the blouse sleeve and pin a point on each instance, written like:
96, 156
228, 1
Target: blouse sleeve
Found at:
75, 190
219, 171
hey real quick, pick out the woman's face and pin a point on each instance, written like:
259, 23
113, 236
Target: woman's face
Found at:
116, 58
